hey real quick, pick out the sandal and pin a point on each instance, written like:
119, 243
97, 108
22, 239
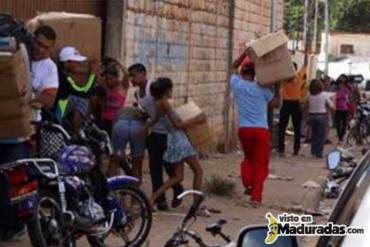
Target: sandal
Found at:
214, 210
203, 212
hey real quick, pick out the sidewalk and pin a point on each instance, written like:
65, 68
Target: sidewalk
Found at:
279, 196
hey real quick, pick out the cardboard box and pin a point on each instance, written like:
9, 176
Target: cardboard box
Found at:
272, 59
14, 76
15, 128
199, 135
79, 30
10, 109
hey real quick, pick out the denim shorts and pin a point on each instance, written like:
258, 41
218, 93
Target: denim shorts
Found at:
127, 132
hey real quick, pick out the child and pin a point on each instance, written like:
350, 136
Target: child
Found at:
179, 150
116, 95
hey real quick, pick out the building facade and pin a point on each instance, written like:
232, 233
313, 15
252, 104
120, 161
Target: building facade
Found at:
348, 44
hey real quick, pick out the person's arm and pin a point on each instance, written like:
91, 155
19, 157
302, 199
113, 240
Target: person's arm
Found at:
46, 99
125, 83
49, 88
239, 60
275, 102
167, 109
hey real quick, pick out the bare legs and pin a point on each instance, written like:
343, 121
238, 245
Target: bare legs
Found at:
193, 162
137, 168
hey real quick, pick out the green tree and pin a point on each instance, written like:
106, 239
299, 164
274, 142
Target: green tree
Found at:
355, 16
293, 21
345, 15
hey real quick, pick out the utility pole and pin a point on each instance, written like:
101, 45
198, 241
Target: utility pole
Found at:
314, 48
274, 14
305, 32
326, 48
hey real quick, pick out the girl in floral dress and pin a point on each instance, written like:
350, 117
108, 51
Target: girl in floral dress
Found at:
179, 149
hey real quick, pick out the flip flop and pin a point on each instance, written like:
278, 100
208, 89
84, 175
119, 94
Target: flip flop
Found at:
203, 213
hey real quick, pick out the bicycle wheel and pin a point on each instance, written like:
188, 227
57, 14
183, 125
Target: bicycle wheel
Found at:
138, 225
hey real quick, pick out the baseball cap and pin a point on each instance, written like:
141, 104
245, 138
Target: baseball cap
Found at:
70, 53
247, 62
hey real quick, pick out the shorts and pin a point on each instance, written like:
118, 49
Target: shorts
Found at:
127, 132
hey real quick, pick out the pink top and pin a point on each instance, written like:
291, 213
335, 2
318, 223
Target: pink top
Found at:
343, 99
114, 102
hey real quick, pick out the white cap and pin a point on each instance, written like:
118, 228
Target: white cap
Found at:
70, 53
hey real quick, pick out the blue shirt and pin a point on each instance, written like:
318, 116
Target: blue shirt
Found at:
251, 99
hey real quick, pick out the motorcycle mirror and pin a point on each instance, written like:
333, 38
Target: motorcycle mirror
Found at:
263, 236
333, 159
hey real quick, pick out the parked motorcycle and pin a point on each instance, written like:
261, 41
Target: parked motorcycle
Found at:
67, 197
341, 164
358, 129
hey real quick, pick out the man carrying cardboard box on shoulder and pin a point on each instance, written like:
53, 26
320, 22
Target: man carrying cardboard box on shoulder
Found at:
252, 100
44, 85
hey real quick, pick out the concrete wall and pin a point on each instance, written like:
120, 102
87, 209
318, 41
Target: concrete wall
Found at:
192, 42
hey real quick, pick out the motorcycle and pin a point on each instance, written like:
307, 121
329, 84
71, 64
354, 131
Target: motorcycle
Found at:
341, 164
67, 197
358, 129
183, 234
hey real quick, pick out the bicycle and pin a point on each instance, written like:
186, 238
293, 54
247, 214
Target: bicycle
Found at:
183, 234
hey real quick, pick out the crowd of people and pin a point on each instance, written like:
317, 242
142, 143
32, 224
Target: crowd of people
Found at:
309, 105
72, 89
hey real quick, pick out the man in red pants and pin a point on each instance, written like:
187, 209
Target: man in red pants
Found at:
252, 100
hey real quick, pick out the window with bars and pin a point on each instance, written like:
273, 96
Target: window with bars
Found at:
346, 49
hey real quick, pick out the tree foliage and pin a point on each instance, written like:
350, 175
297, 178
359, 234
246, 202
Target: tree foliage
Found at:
345, 15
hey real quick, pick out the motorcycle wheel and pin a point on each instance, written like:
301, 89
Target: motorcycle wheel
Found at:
136, 230
45, 225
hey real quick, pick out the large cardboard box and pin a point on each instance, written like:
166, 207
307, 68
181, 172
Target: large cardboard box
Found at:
272, 59
15, 127
79, 30
14, 109
15, 91
199, 135
14, 76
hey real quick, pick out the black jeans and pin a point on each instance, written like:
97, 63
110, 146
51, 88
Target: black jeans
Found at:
341, 118
157, 144
8, 214
290, 108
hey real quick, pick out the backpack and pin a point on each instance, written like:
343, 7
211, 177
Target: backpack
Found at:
11, 27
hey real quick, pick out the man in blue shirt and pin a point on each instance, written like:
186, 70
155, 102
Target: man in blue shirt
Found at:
252, 100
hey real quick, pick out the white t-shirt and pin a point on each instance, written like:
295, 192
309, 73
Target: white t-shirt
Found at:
44, 76
317, 103
148, 104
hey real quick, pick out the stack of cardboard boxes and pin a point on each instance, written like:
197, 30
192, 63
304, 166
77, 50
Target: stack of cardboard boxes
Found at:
78, 30
15, 112
273, 62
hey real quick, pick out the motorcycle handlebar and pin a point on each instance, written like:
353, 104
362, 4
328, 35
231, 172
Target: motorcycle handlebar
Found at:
345, 174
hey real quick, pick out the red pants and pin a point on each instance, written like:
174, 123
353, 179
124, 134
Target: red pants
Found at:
254, 169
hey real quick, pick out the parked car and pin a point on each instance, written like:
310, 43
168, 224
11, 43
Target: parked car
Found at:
352, 209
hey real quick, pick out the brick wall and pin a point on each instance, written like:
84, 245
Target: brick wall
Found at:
189, 41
